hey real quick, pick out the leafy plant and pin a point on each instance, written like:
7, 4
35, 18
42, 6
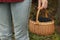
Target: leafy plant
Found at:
54, 36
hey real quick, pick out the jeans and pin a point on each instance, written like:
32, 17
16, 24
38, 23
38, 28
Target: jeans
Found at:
18, 13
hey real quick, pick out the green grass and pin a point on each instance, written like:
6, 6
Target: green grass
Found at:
54, 36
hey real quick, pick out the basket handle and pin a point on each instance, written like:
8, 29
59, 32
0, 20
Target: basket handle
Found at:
37, 16
46, 14
39, 8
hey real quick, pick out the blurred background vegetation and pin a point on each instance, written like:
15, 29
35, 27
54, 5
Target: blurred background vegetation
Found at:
52, 11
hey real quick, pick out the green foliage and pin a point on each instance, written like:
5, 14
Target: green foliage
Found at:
54, 36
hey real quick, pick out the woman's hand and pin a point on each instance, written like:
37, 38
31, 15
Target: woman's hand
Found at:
42, 4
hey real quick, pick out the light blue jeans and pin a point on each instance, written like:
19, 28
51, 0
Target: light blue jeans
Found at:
19, 12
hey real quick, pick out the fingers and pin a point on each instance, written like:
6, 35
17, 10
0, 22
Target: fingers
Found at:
42, 4
39, 4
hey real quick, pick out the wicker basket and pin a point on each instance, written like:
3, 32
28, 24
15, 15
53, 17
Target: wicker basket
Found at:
41, 28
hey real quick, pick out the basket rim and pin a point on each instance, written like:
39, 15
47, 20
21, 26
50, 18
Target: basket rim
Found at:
42, 23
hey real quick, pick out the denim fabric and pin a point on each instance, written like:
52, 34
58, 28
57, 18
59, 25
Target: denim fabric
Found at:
20, 13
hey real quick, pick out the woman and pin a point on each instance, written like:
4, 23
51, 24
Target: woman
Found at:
18, 10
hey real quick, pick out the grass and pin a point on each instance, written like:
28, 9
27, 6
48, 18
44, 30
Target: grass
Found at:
54, 36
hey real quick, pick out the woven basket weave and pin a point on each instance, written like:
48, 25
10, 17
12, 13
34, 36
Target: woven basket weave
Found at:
41, 28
